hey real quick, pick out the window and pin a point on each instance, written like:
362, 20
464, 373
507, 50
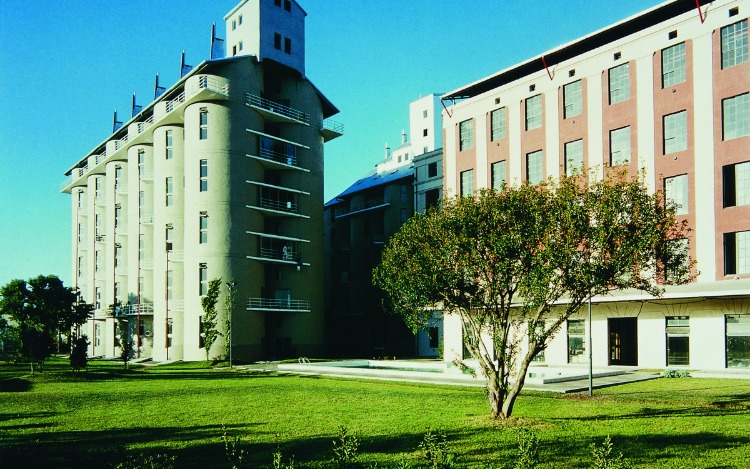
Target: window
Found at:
141, 203
497, 121
97, 225
80, 233
675, 132
170, 283
97, 260
735, 116
239, 20
203, 229
80, 266
466, 131
576, 341
432, 170
535, 167
678, 340
98, 297
141, 163
277, 3
738, 340
169, 143
432, 198
169, 332
204, 124
737, 253
141, 246
169, 192
619, 83
80, 199
736, 184
287, 45
288, 5
404, 194
734, 44
573, 99
168, 237
676, 193
118, 256
404, 215
424, 113
424, 133
234, 25
467, 183
201, 334
204, 175
498, 175
98, 186
673, 70
202, 279
241, 45
533, 112
619, 146
574, 158
433, 333
277, 41
118, 179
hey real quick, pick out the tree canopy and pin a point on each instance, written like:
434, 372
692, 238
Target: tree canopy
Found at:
42, 309
514, 265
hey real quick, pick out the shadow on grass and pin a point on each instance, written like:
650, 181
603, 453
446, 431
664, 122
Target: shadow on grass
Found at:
15, 385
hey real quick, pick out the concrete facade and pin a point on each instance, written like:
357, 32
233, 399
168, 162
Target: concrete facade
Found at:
220, 177
665, 92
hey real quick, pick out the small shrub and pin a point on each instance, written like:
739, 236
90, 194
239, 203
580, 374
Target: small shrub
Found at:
528, 449
676, 374
278, 461
435, 448
150, 461
604, 459
345, 449
79, 357
233, 450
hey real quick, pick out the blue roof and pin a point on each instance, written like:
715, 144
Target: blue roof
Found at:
374, 179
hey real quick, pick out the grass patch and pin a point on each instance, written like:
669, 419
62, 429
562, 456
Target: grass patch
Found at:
97, 418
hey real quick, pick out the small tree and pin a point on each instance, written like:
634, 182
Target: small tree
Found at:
79, 353
514, 265
229, 303
210, 315
126, 350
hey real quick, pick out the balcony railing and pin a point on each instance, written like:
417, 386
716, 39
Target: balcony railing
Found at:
212, 83
271, 304
287, 254
277, 108
278, 157
278, 205
132, 310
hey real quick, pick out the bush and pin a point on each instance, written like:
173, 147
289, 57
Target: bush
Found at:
79, 357
528, 449
345, 449
603, 458
676, 374
435, 448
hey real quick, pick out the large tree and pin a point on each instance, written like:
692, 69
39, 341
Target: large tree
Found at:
43, 309
514, 265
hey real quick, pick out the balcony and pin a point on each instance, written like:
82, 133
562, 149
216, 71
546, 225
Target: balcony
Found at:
371, 204
331, 129
142, 309
276, 112
277, 201
279, 305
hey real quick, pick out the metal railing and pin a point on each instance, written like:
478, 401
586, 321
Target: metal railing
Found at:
277, 108
333, 126
212, 83
278, 254
278, 205
278, 157
369, 204
277, 304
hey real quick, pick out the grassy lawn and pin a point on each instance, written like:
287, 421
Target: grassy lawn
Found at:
97, 418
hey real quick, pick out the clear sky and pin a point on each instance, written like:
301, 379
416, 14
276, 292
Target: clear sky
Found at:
66, 65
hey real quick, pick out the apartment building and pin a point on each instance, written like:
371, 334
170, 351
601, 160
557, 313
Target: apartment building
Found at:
667, 92
221, 176
358, 223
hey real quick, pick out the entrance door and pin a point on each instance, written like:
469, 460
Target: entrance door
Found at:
623, 341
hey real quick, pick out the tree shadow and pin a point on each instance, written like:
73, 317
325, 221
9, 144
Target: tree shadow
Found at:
15, 385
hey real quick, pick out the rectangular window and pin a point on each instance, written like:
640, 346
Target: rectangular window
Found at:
404, 193
466, 131
80, 266
203, 230
201, 334
118, 256
97, 261
169, 143
202, 279
735, 116
204, 124
535, 167
673, 69
533, 112
118, 177
736, 184
467, 183
576, 341
432, 198
141, 163
287, 45
619, 146
98, 187
97, 225
573, 99
498, 175
619, 83
169, 332
675, 132
424, 133
98, 296
203, 175
738, 340
737, 253
404, 215
169, 192
141, 246
432, 170
141, 203
676, 193
678, 340
287, 5
277, 41
574, 158
497, 121
734, 44
678, 269
170, 283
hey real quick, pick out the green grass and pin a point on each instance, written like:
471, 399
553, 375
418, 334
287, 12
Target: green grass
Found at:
96, 418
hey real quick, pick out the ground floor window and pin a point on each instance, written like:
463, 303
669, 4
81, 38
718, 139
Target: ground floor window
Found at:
576, 342
738, 340
678, 340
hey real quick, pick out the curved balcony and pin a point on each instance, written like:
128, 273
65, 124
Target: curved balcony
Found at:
273, 111
331, 129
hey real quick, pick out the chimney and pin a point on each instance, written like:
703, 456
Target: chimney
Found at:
387, 151
403, 136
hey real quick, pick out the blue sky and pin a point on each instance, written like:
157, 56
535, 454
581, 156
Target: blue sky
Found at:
66, 65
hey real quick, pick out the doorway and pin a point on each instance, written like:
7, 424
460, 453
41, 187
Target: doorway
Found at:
623, 341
